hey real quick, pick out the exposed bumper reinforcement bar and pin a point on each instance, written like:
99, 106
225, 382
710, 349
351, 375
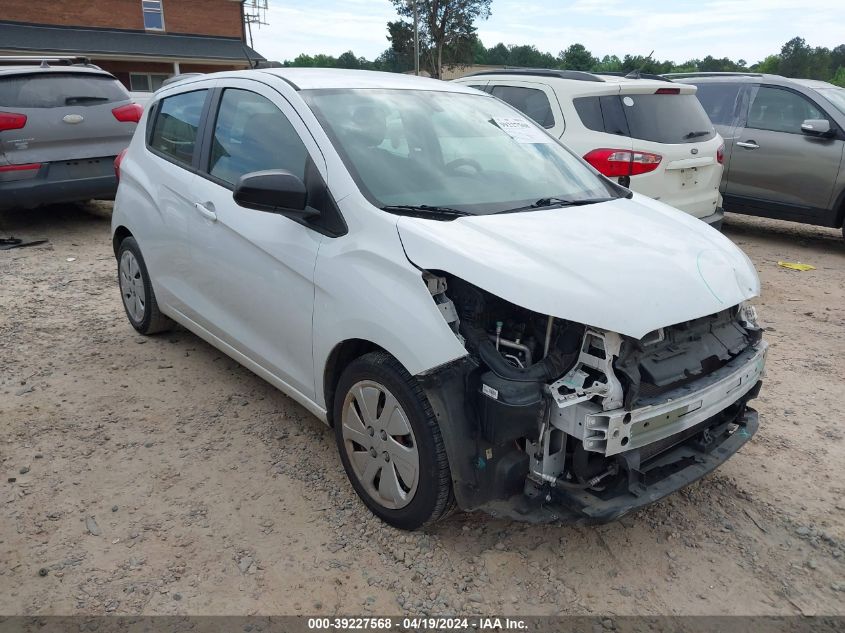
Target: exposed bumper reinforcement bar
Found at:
668, 472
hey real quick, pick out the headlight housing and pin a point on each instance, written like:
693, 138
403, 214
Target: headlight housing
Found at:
748, 315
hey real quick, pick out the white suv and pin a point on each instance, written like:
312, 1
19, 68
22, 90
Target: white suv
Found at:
649, 133
482, 318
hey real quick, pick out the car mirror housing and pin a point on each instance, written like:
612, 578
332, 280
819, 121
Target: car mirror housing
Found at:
816, 127
275, 191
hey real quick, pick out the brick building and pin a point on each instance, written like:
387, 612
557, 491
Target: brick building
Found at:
141, 42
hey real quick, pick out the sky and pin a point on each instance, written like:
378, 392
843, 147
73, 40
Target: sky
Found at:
675, 29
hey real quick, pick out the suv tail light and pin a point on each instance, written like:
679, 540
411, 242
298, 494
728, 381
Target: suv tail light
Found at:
25, 167
667, 91
129, 113
117, 160
11, 121
622, 162
720, 154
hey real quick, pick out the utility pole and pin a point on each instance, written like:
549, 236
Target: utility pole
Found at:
416, 39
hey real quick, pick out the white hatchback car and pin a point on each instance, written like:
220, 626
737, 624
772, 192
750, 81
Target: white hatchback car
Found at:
647, 132
482, 318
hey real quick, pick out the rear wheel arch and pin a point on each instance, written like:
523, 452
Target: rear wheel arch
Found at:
120, 234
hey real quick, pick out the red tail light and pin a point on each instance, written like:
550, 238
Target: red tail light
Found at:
11, 121
667, 91
117, 160
622, 162
130, 113
26, 167
720, 154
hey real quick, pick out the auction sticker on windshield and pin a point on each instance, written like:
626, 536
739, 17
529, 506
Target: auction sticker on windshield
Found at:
520, 130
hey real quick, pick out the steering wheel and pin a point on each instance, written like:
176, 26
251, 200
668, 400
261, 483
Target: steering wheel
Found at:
464, 162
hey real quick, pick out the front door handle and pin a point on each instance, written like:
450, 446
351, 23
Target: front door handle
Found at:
205, 212
748, 144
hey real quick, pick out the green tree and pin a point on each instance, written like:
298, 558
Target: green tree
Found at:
498, 55
446, 28
576, 57
795, 58
401, 37
608, 64
769, 65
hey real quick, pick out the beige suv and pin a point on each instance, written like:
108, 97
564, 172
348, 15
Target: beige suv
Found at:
644, 131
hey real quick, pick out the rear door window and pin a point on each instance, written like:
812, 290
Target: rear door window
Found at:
530, 101
57, 90
721, 102
780, 110
175, 126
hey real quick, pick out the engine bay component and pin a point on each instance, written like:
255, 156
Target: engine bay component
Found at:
561, 411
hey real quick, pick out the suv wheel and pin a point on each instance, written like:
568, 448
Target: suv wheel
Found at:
139, 300
390, 443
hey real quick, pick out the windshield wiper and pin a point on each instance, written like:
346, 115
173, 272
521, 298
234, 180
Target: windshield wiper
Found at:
696, 134
424, 209
558, 202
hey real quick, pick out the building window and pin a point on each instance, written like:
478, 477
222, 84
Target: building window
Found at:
145, 82
153, 15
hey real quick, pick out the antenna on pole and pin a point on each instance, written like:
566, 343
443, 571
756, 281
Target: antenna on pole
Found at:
255, 12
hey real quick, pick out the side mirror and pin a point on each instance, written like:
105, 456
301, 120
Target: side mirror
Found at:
275, 191
816, 127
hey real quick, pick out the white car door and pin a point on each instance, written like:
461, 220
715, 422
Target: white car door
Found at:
253, 271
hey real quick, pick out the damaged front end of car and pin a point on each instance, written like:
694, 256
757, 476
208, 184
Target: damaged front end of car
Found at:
547, 420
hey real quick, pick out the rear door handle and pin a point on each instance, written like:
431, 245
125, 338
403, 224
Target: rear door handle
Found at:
205, 212
748, 144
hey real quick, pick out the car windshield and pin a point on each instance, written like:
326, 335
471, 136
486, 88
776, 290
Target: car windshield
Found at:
836, 96
450, 151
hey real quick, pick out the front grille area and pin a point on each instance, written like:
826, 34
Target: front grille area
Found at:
689, 351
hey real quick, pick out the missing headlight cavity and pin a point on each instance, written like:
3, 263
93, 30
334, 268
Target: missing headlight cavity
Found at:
559, 411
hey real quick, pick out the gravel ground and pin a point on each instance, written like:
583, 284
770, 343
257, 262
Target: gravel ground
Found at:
156, 476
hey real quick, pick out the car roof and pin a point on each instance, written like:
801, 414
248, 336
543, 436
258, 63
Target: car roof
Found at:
46, 70
639, 79
339, 78
749, 77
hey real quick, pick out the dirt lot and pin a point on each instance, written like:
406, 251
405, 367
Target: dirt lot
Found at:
156, 476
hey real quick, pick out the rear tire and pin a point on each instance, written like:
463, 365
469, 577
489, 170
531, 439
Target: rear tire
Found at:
136, 290
390, 443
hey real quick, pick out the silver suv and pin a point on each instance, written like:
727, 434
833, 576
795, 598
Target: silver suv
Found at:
784, 141
62, 123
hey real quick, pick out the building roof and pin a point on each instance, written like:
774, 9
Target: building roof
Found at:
16, 36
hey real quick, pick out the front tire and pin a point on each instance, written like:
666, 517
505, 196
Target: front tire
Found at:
136, 290
390, 443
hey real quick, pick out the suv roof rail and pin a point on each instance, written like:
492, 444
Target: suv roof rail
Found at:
48, 60
578, 75
635, 74
713, 74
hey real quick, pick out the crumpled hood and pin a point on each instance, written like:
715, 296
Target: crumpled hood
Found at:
628, 266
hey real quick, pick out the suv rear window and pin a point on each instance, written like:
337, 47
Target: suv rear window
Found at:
57, 90
664, 118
